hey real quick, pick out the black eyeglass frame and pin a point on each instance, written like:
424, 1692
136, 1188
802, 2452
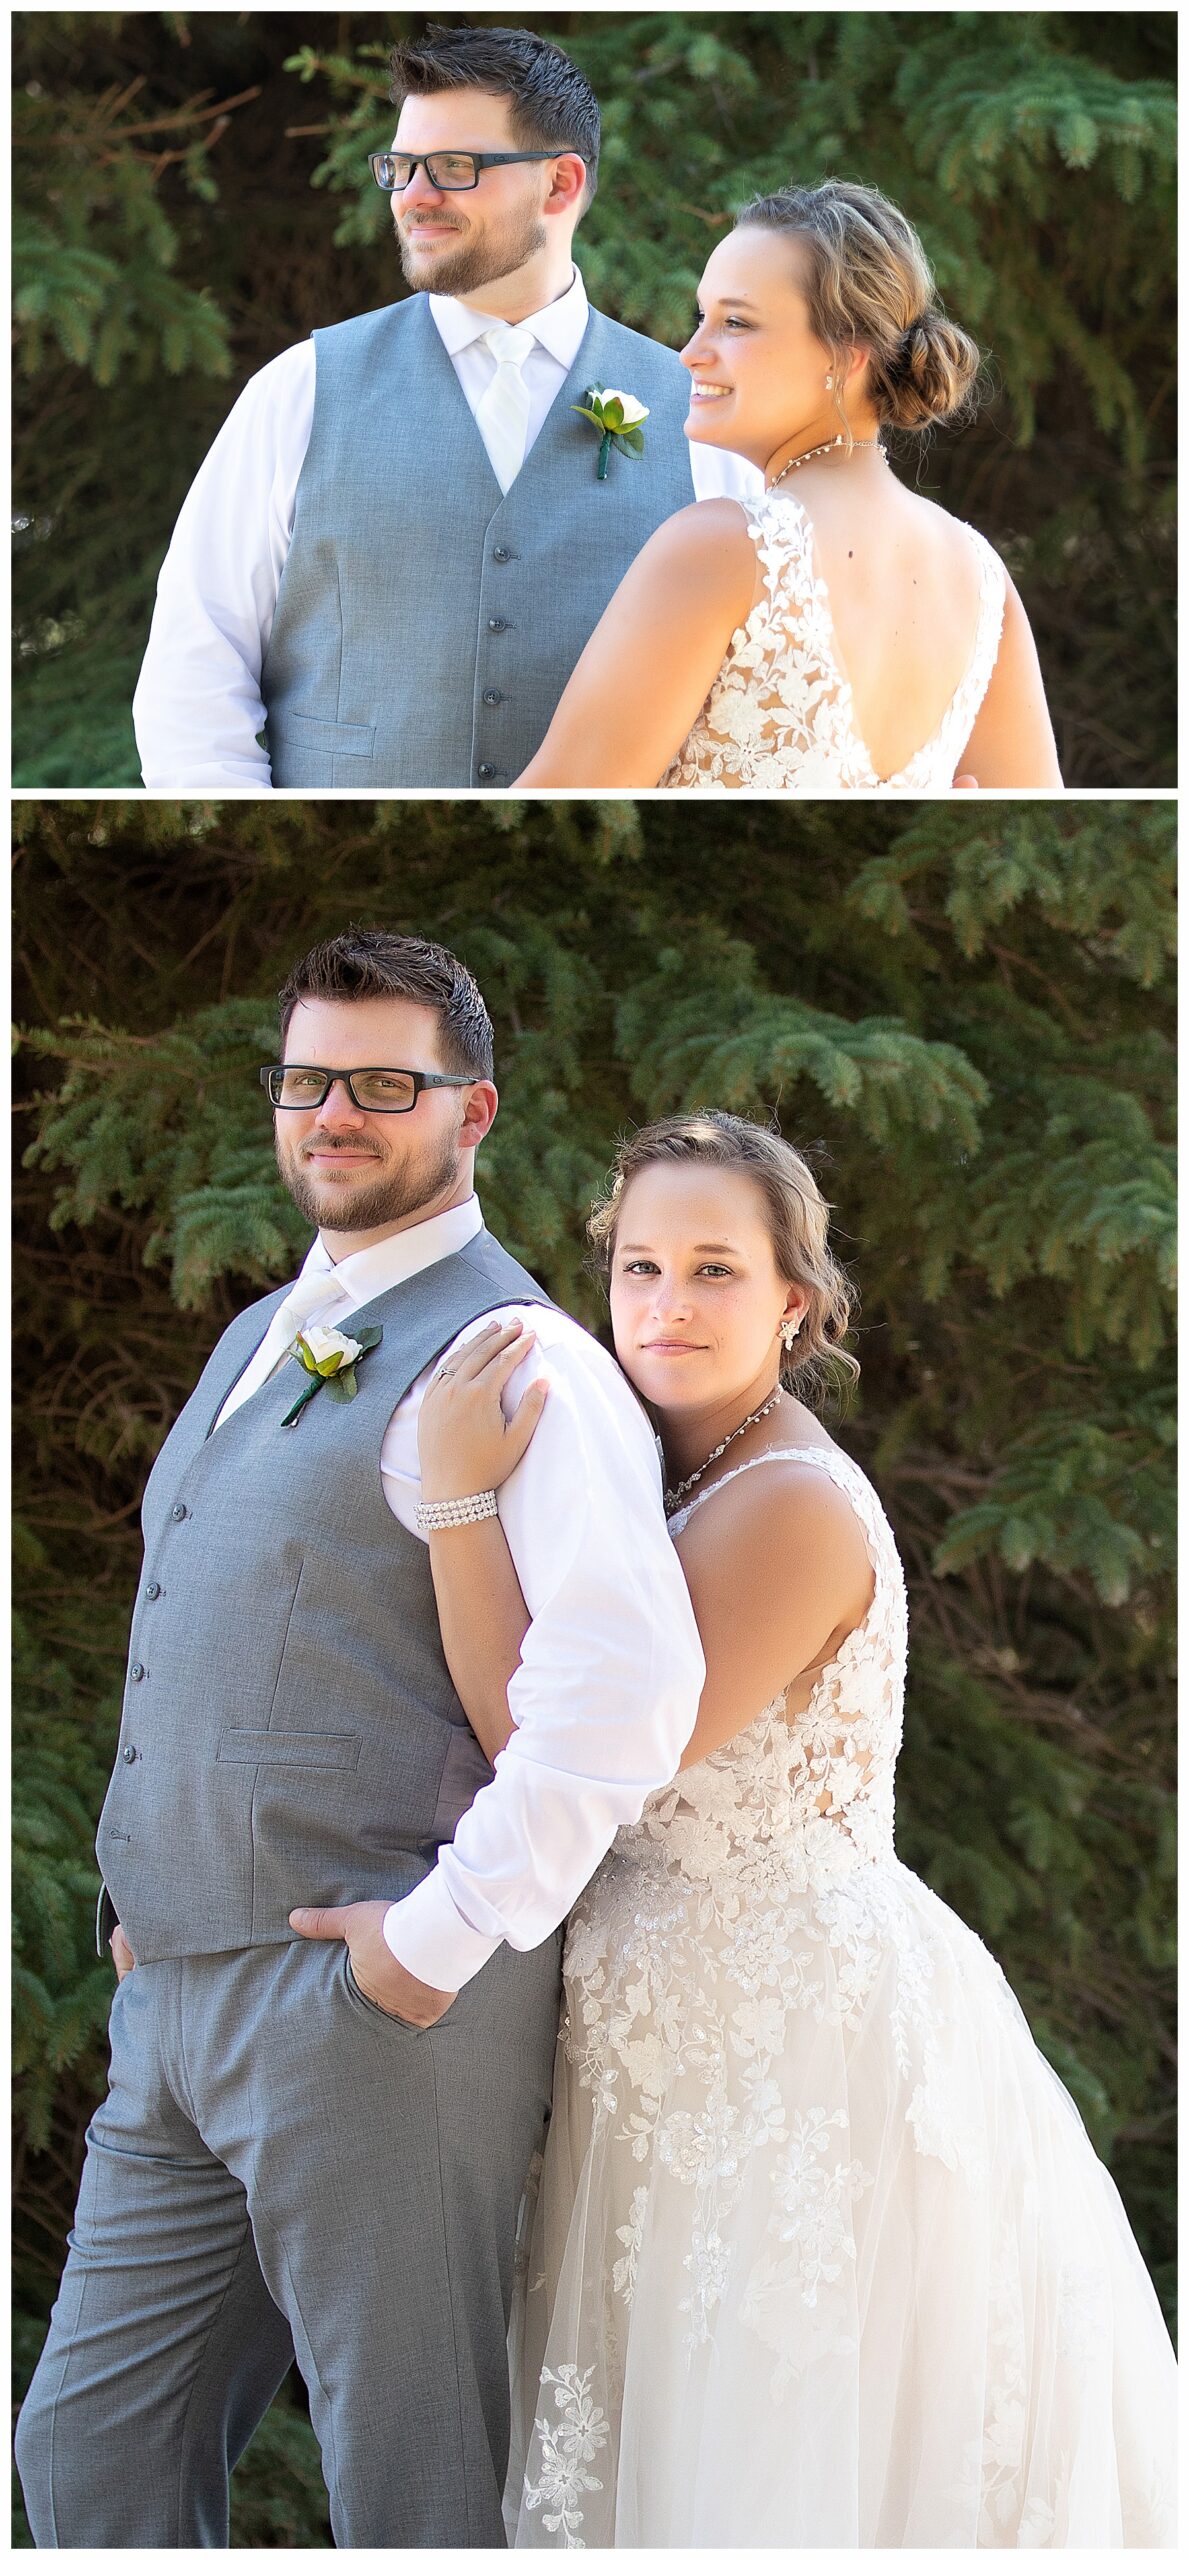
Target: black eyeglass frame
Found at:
421, 159
344, 1075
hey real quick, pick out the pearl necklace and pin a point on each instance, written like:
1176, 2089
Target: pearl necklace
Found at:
860, 444
674, 1500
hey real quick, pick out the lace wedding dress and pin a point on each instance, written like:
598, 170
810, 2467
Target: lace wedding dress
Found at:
821, 2254
779, 715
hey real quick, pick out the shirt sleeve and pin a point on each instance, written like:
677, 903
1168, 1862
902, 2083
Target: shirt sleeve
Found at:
718, 474
611, 1671
197, 709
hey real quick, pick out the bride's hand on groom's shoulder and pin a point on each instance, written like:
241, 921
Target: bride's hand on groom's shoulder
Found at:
465, 1443
376, 1971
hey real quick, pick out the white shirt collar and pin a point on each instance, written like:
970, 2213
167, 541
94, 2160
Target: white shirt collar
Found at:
560, 328
376, 1267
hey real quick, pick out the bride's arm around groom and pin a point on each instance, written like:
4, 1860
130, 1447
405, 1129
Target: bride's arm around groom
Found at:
601, 1702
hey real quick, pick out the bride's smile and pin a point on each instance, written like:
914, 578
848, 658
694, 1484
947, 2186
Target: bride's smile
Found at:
763, 384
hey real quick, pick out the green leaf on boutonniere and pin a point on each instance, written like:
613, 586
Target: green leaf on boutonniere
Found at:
619, 417
336, 1372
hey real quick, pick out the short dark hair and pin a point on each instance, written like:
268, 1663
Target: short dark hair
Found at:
365, 962
553, 104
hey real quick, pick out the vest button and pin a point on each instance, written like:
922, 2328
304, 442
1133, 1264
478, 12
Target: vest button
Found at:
487, 773
129, 1752
500, 554
136, 1670
152, 1591
178, 1512
492, 696
496, 623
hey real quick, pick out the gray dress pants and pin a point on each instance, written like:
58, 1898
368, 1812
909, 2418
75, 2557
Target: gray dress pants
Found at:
279, 2171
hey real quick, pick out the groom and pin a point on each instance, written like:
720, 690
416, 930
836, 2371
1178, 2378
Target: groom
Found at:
399, 544
308, 2148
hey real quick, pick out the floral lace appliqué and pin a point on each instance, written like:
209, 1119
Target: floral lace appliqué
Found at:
565, 2453
780, 714
749, 1892
782, 2055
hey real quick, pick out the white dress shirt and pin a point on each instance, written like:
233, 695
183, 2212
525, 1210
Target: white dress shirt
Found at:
611, 1670
197, 708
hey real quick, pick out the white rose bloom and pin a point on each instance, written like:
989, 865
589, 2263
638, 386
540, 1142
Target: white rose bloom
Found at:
634, 411
323, 1341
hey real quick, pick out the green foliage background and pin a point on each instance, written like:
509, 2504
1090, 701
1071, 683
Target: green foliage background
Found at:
967, 1008
191, 198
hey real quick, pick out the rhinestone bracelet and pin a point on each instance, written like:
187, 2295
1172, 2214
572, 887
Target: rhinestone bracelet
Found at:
459, 1514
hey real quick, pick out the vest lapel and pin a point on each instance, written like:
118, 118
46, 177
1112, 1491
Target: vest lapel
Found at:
447, 401
560, 425
266, 1307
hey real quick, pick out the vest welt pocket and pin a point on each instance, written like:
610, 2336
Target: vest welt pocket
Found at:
335, 737
290, 1750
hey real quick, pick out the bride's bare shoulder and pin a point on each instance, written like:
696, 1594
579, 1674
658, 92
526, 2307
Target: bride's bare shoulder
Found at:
701, 561
950, 533
709, 532
779, 1542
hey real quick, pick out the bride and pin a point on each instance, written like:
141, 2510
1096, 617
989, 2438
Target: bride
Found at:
838, 632
821, 2254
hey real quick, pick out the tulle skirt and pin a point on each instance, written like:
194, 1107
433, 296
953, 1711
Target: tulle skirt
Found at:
821, 2253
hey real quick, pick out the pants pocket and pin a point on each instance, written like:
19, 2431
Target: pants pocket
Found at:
372, 2008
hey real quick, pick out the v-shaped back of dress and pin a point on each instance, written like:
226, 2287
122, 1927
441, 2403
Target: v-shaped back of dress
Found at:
780, 714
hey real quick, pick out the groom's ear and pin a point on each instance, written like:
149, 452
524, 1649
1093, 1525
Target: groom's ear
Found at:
567, 192
479, 1110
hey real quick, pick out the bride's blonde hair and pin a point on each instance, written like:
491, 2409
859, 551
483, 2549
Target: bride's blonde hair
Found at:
870, 283
798, 1223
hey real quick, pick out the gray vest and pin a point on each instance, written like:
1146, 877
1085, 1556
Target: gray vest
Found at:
290, 1732
426, 624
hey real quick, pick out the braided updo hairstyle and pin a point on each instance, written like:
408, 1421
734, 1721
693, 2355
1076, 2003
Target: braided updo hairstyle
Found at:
798, 1222
869, 283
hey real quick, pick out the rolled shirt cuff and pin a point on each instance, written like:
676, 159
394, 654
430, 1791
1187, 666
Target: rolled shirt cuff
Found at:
428, 1935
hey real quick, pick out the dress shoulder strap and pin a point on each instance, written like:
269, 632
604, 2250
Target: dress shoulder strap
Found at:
781, 522
966, 702
834, 1463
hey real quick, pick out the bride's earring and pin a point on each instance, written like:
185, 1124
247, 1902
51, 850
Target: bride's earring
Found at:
829, 382
789, 1331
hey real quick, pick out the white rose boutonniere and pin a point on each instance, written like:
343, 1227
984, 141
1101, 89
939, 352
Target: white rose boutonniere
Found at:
330, 1360
619, 417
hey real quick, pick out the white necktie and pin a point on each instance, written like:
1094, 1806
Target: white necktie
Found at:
318, 1292
503, 412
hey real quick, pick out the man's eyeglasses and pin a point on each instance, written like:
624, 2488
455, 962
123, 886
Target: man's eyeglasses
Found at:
294, 1088
448, 171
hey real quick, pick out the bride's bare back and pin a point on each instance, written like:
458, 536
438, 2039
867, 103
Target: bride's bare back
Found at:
904, 592
728, 656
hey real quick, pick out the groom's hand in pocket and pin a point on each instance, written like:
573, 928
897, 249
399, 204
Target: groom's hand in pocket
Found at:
379, 1975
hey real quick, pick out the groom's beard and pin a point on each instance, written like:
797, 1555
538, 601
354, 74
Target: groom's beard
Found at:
501, 249
399, 1191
